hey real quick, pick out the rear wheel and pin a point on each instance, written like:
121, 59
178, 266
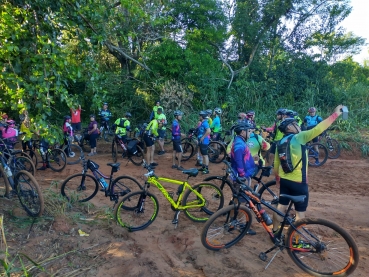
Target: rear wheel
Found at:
226, 227
74, 153
4, 183
79, 187
322, 248
224, 184
21, 163
56, 159
214, 201
137, 210
188, 150
138, 157
334, 148
317, 154
29, 193
168, 136
216, 152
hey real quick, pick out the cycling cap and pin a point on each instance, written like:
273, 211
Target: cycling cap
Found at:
178, 113
281, 111
66, 117
285, 123
218, 110
209, 111
105, 103
203, 114
312, 110
243, 126
92, 115
128, 114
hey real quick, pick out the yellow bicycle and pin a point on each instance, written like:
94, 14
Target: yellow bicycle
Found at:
137, 210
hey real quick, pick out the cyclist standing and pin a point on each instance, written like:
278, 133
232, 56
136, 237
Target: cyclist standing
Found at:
203, 138
105, 116
93, 133
176, 138
123, 125
295, 182
150, 135
26, 131
68, 134
256, 144
310, 121
216, 126
76, 118
162, 121
154, 113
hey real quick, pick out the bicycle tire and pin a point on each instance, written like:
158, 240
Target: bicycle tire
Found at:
56, 159
21, 163
32, 155
105, 134
24, 154
222, 230
187, 150
214, 200
114, 151
317, 159
128, 215
124, 185
224, 184
85, 144
269, 192
4, 183
334, 148
76, 189
78, 154
216, 152
168, 135
320, 241
138, 157
29, 193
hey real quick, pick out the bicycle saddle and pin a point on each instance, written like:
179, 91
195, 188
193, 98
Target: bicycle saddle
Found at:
192, 172
294, 199
116, 165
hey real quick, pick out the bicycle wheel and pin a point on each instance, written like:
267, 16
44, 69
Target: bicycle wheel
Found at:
56, 159
334, 148
79, 187
318, 157
322, 248
74, 153
216, 152
24, 154
32, 155
168, 136
105, 134
123, 185
269, 192
226, 227
137, 210
114, 151
187, 150
224, 184
29, 193
21, 163
4, 183
138, 157
214, 201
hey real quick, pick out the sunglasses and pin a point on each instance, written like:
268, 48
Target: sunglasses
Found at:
240, 117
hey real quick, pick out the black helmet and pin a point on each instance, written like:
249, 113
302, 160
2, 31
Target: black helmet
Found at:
67, 117
284, 124
250, 113
178, 113
290, 113
281, 111
128, 114
243, 126
92, 115
203, 114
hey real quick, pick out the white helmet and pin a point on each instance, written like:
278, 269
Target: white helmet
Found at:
218, 110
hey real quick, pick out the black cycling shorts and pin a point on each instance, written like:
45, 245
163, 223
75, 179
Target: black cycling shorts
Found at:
294, 189
148, 140
161, 133
203, 149
177, 146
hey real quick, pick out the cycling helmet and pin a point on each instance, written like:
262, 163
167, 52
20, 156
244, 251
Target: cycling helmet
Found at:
67, 117
92, 115
284, 124
203, 114
178, 113
241, 115
312, 110
105, 103
158, 101
290, 113
242, 126
218, 110
281, 111
209, 111
250, 113
4, 116
10, 122
128, 114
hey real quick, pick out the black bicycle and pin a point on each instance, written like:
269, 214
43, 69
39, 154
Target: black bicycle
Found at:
333, 146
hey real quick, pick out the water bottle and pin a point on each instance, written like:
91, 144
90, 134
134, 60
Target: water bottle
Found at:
7, 170
266, 218
103, 183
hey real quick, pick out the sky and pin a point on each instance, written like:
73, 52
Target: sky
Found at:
358, 23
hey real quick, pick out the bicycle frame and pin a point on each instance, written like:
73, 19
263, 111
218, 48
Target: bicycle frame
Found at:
153, 180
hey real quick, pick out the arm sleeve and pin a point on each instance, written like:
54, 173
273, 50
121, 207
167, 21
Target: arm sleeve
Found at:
238, 158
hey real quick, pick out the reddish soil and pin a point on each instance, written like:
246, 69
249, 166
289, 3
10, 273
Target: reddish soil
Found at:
338, 192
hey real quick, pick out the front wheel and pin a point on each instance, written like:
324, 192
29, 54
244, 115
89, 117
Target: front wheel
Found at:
79, 187
56, 159
123, 185
29, 193
226, 227
322, 248
74, 153
216, 152
197, 210
317, 154
187, 150
224, 184
17, 163
138, 157
334, 148
137, 210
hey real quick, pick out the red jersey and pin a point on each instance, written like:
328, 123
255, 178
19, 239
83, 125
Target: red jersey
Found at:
76, 115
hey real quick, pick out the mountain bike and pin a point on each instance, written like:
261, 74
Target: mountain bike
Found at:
333, 146
105, 130
83, 140
23, 185
82, 187
317, 246
73, 151
133, 149
137, 210
318, 157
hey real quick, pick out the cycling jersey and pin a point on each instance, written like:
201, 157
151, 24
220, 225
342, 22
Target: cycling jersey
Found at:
152, 128
202, 130
241, 158
256, 143
76, 115
210, 120
162, 119
105, 114
68, 129
176, 130
297, 146
154, 113
215, 125
312, 121
276, 133
122, 131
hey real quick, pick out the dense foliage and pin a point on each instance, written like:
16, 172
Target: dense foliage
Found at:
240, 54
